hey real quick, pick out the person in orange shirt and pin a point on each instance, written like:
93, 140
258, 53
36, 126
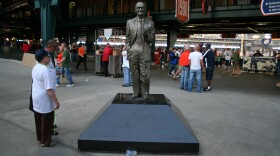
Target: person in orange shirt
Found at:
59, 56
184, 68
82, 56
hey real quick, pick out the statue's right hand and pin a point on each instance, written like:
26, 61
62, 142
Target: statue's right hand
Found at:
144, 32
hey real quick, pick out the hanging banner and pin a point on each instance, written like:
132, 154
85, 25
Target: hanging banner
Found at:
182, 11
270, 7
108, 33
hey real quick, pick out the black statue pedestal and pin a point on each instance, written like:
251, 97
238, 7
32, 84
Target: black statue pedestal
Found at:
151, 126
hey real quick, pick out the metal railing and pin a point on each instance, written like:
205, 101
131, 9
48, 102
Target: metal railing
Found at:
11, 53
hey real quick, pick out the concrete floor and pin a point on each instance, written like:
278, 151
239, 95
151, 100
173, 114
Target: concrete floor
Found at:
240, 117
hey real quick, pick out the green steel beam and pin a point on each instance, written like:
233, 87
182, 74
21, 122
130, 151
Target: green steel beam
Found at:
49, 10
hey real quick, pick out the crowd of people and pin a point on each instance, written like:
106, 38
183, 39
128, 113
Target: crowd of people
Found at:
192, 63
188, 69
24, 46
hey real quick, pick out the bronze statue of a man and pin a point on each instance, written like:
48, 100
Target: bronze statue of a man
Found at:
140, 34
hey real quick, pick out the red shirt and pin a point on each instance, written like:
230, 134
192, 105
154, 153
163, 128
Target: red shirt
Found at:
59, 58
25, 48
106, 53
81, 51
184, 59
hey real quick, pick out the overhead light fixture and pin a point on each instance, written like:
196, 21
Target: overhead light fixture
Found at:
255, 36
225, 21
256, 31
6, 29
267, 36
190, 26
261, 24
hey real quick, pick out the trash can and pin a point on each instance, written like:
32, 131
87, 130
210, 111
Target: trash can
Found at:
98, 64
115, 65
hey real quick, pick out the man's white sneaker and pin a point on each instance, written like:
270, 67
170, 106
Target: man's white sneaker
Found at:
57, 85
51, 144
72, 85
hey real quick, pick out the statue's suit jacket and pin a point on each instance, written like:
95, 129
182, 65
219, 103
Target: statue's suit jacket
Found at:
132, 28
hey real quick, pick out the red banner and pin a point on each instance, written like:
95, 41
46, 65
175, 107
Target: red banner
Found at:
182, 10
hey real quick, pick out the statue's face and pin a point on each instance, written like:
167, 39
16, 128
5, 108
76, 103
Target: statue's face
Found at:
140, 9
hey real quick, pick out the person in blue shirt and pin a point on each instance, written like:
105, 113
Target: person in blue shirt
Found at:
173, 59
209, 63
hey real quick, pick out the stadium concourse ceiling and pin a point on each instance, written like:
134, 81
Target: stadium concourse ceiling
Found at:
203, 26
238, 25
206, 27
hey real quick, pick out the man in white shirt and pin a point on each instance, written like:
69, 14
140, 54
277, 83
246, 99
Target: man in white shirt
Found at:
227, 55
44, 98
126, 70
196, 64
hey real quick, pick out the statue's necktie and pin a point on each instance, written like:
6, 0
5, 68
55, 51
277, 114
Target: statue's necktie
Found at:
142, 24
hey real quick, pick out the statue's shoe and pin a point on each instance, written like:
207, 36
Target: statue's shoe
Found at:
135, 96
278, 84
145, 97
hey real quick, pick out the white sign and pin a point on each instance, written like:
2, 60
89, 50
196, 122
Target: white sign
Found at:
108, 33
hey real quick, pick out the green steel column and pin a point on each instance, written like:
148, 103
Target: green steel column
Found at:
49, 9
91, 38
148, 3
